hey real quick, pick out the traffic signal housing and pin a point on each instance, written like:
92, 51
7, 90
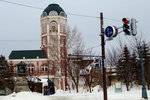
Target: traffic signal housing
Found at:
126, 26
97, 62
133, 27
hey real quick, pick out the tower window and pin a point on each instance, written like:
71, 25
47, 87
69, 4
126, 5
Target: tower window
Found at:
62, 14
62, 41
44, 28
44, 43
53, 13
62, 28
44, 14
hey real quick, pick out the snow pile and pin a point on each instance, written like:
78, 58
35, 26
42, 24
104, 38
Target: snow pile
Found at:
134, 94
59, 92
24, 96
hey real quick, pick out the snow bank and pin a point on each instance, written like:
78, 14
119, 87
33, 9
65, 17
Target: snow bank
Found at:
24, 96
134, 94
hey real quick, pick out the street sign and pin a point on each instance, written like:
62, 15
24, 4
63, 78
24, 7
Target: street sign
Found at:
111, 31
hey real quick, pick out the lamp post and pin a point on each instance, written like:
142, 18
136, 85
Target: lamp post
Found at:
144, 92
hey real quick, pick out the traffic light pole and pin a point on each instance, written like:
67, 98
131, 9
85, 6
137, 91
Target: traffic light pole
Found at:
144, 92
103, 56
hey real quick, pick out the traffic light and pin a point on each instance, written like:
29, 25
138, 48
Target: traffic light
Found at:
133, 27
97, 62
126, 26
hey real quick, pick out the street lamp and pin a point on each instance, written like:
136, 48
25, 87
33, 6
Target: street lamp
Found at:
144, 92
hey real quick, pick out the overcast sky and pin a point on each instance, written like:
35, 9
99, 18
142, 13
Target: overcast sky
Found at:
20, 26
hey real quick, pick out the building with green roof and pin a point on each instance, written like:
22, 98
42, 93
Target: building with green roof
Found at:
27, 54
49, 62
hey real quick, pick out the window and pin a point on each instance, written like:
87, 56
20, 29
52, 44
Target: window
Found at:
44, 28
44, 14
63, 14
44, 68
53, 13
31, 68
62, 29
62, 41
44, 41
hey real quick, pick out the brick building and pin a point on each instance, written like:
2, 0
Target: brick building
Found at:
50, 61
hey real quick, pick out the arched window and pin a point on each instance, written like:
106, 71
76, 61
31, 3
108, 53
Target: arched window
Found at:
31, 68
44, 14
63, 14
44, 41
44, 68
53, 26
53, 13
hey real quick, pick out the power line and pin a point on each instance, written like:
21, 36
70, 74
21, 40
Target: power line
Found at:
83, 15
29, 6
112, 19
21, 4
19, 40
93, 47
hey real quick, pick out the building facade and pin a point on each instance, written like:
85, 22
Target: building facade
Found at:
50, 61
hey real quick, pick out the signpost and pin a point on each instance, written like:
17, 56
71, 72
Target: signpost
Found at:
111, 31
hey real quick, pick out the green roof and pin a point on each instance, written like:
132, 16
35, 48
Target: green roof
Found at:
53, 7
27, 54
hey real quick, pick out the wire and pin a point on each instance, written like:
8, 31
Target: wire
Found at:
19, 40
67, 13
93, 47
21, 4
112, 19
83, 15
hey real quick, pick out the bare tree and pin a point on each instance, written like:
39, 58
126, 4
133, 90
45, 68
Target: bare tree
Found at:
113, 55
57, 56
135, 42
76, 47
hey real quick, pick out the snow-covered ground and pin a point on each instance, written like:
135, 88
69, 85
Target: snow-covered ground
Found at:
134, 94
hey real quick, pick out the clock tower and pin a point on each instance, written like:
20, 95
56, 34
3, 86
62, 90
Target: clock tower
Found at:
53, 40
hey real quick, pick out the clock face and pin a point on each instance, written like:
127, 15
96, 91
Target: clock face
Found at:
53, 26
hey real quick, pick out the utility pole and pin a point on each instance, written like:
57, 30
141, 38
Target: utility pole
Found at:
103, 56
144, 92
